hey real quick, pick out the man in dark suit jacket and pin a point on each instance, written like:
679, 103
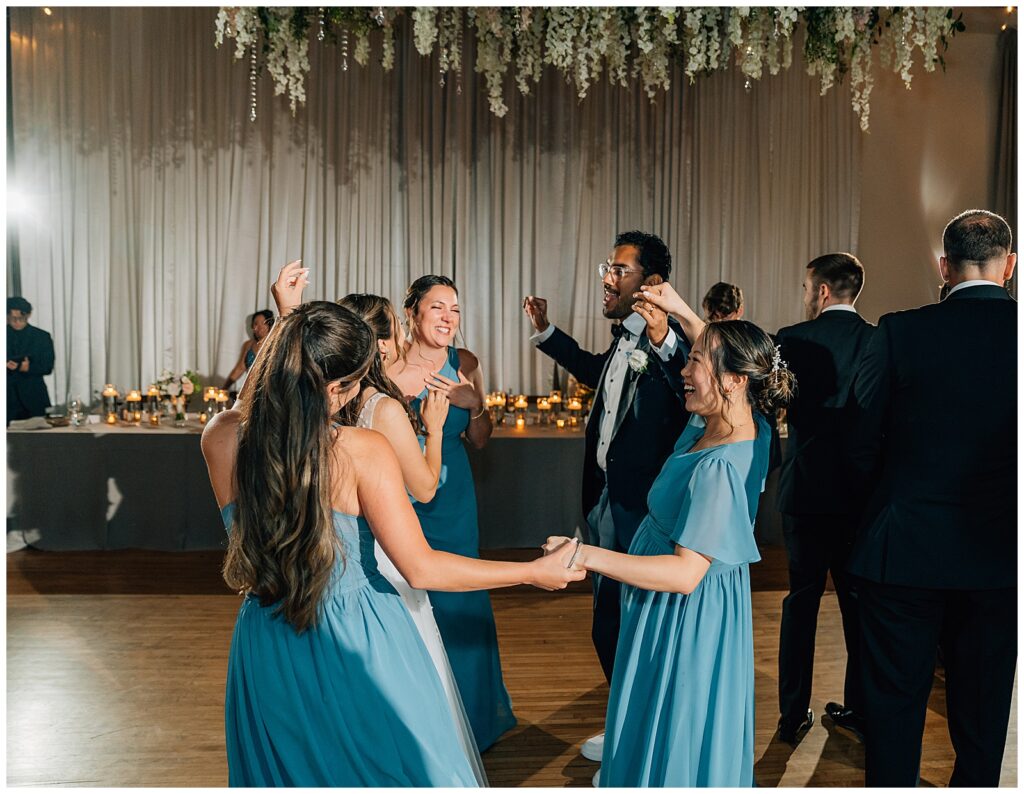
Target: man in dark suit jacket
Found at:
635, 421
934, 454
29, 358
818, 518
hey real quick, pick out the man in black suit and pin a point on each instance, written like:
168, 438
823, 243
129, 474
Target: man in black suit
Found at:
819, 520
635, 421
934, 455
29, 358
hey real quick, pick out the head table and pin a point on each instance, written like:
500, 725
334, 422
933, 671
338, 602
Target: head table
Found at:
98, 486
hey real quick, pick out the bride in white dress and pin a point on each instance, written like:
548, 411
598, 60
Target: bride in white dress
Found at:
381, 408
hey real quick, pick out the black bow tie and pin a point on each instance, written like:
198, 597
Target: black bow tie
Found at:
620, 330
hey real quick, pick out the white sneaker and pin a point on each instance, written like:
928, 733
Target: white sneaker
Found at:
593, 748
596, 780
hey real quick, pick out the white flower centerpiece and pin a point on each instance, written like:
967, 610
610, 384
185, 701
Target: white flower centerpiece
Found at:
175, 391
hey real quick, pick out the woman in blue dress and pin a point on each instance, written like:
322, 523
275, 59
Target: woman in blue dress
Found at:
466, 620
329, 682
681, 706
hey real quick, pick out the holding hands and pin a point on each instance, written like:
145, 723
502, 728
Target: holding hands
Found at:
655, 302
562, 563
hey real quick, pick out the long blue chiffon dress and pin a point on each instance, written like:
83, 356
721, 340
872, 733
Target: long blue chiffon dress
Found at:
465, 620
353, 701
681, 707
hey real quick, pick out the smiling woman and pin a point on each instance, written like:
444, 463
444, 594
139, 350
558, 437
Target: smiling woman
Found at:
449, 520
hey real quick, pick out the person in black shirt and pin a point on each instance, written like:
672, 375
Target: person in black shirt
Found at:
29, 358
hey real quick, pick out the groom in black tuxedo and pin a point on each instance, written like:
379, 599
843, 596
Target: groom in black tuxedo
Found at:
636, 418
819, 520
934, 451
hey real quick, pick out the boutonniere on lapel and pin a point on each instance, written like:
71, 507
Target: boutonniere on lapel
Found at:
637, 361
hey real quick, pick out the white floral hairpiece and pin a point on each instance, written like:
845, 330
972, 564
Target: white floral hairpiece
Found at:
777, 361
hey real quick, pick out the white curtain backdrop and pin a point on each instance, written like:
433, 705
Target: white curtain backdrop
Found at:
153, 215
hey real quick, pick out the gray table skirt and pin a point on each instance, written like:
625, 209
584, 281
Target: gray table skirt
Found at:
79, 491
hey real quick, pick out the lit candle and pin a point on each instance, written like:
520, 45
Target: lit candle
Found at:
110, 396
153, 403
222, 400
555, 398
520, 423
133, 406
560, 423
203, 416
521, 404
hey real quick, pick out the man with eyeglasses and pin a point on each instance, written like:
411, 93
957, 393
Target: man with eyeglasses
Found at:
636, 419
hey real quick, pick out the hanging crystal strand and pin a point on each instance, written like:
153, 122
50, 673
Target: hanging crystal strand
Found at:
379, 16
458, 48
252, 83
320, 28
775, 29
746, 83
344, 49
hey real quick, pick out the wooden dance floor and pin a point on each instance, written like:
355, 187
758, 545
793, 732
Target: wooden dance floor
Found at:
116, 664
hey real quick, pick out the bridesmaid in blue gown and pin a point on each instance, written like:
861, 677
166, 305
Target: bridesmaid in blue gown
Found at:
329, 682
449, 520
681, 706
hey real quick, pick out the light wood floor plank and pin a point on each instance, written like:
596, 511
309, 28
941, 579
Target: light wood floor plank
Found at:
116, 666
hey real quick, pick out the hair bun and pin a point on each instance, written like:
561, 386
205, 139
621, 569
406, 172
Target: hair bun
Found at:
776, 390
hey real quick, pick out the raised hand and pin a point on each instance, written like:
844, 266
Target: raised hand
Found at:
656, 319
12, 365
537, 310
550, 572
663, 296
462, 394
24, 365
287, 290
434, 411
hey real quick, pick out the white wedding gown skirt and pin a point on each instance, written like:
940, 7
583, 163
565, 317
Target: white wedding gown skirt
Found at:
418, 604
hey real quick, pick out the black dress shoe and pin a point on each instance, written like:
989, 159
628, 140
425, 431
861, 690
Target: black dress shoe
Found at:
846, 718
792, 733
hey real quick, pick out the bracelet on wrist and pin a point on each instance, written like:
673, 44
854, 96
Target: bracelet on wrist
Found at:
482, 412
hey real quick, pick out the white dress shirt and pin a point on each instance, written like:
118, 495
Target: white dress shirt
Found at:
974, 282
614, 377
839, 307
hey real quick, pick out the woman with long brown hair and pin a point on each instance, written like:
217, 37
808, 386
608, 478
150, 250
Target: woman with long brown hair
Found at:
380, 406
329, 683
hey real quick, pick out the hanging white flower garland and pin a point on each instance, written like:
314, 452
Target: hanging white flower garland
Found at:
582, 42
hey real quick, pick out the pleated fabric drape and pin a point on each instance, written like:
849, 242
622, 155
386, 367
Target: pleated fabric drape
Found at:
152, 216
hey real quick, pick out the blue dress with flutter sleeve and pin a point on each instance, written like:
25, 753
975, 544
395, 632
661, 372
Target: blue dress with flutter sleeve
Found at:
681, 706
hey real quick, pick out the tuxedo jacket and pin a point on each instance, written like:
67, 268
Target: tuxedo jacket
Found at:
933, 445
648, 423
824, 354
26, 392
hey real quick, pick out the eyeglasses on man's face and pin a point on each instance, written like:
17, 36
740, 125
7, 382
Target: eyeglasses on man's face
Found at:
617, 271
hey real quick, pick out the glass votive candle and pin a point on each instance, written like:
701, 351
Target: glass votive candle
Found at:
520, 423
133, 407
560, 423
222, 400
110, 396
